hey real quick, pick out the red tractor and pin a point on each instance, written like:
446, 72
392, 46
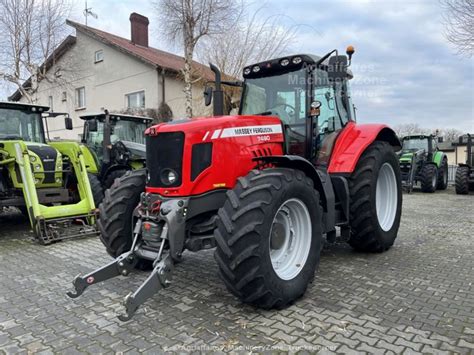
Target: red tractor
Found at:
263, 187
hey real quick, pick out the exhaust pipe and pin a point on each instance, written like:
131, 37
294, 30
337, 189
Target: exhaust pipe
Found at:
218, 94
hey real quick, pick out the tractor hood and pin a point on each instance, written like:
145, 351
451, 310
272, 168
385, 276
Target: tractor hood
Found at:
137, 150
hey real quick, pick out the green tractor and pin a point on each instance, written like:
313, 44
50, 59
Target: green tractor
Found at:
113, 144
465, 172
47, 181
422, 161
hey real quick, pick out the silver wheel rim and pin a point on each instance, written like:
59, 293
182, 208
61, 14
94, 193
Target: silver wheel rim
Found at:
386, 197
290, 239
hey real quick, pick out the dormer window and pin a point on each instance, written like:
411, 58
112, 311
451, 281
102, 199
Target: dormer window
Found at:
99, 56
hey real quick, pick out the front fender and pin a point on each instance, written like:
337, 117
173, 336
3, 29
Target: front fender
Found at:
354, 140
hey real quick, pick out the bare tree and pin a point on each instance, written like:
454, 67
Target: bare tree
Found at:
255, 38
450, 134
459, 21
31, 30
408, 129
191, 20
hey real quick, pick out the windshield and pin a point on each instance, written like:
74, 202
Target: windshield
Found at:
21, 125
130, 131
415, 144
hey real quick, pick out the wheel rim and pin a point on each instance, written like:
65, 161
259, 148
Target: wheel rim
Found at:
290, 239
386, 197
433, 181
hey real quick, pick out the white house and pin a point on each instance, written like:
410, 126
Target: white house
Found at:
97, 70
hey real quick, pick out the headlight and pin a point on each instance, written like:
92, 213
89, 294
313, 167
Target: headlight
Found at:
284, 62
297, 60
58, 180
32, 158
37, 167
256, 69
246, 71
169, 176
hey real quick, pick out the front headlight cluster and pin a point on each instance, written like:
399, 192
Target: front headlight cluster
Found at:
168, 176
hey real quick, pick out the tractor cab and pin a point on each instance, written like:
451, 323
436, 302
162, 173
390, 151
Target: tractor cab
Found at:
419, 142
22, 122
308, 93
116, 142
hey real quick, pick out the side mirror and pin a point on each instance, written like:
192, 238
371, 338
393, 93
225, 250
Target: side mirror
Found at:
68, 123
207, 95
92, 125
337, 67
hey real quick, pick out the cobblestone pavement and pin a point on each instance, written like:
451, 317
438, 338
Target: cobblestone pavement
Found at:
417, 297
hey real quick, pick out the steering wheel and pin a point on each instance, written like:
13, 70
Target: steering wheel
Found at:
291, 115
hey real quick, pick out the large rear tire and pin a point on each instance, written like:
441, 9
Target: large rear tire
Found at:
269, 237
96, 187
462, 180
443, 175
376, 199
116, 211
429, 178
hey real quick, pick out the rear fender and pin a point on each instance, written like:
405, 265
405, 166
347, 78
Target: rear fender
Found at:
354, 140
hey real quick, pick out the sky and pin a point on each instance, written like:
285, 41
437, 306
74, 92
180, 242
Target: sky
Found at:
404, 69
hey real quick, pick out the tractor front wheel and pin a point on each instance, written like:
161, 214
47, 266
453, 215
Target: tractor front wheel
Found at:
116, 211
429, 178
462, 180
443, 175
269, 237
375, 199
96, 188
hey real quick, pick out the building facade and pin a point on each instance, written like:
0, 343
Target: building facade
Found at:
95, 70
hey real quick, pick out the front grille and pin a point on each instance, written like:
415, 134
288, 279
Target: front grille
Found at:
48, 156
163, 152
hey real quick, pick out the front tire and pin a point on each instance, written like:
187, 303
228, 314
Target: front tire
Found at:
116, 211
375, 199
443, 175
96, 188
462, 180
269, 237
429, 178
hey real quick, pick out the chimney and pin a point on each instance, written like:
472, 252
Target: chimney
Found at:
139, 27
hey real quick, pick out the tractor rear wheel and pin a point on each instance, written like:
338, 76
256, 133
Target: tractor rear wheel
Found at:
429, 178
375, 199
110, 178
116, 211
462, 180
269, 237
96, 188
443, 175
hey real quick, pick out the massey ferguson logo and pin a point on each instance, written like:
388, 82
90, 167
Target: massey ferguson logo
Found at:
243, 131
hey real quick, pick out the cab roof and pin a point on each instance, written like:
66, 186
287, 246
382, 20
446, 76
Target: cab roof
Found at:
20, 106
115, 116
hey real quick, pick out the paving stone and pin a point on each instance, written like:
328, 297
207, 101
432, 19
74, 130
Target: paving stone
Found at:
416, 297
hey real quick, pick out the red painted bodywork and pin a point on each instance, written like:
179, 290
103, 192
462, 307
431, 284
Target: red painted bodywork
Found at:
232, 156
350, 144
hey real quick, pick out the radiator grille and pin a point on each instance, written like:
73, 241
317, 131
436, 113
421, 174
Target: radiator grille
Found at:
164, 151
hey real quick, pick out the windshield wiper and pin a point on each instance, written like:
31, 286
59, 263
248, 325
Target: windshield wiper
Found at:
265, 113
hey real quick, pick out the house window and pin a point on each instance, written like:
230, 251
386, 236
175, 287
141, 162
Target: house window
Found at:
99, 56
63, 96
80, 97
135, 99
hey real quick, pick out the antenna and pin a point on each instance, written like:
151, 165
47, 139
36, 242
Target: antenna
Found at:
88, 12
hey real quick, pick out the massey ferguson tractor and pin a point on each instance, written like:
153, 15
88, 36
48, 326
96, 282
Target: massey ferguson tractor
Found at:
263, 187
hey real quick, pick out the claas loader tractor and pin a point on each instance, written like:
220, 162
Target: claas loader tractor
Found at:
114, 143
263, 187
46, 180
465, 172
422, 161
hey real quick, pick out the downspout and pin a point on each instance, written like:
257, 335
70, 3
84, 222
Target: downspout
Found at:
163, 92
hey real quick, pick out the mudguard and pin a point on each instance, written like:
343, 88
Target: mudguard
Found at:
352, 142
